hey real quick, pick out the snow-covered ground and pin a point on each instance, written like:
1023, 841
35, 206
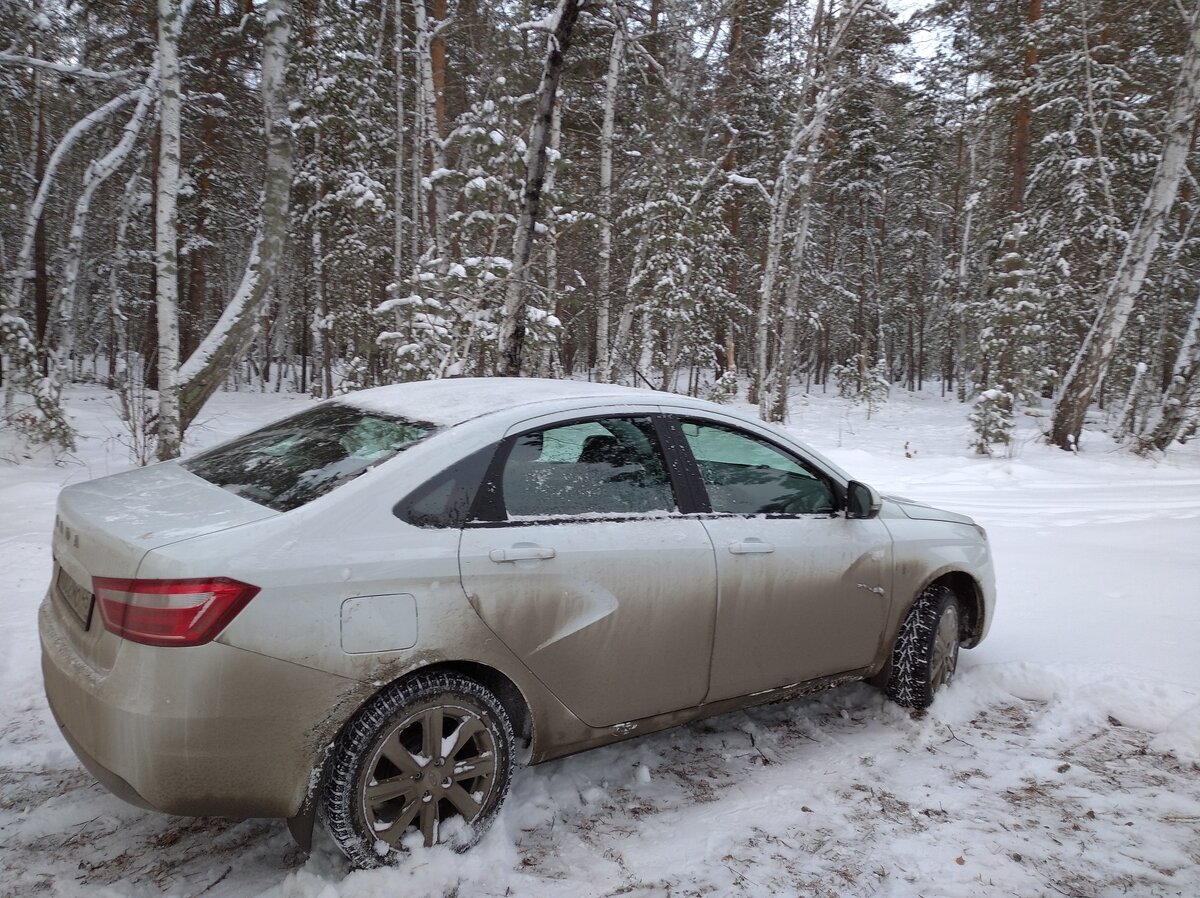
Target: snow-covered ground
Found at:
1065, 759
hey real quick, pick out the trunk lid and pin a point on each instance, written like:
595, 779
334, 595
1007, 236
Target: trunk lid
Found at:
105, 527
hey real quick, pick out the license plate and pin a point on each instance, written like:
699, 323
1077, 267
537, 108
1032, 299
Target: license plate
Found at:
75, 597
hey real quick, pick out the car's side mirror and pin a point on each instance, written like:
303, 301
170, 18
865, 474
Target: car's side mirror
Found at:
861, 500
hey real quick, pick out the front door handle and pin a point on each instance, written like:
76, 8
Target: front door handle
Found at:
521, 553
751, 546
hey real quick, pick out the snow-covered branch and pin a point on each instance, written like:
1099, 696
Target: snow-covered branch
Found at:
77, 71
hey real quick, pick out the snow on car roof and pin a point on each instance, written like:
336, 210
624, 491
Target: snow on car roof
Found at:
454, 400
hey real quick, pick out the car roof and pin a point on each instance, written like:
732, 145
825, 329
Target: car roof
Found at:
455, 400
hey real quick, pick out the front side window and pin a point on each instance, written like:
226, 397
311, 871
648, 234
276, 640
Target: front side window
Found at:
609, 466
289, 463
746, 475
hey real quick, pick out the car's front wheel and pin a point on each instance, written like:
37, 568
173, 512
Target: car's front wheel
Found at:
926, 652
428, 760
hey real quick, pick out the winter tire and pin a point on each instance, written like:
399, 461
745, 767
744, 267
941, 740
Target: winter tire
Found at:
426, 752
926, 650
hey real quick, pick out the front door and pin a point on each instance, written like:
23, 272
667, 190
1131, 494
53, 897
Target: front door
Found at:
587, 572
802, 592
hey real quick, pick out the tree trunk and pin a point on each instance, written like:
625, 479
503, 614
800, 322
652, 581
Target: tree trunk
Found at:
398, 155
604, 362
62, 320
1092, 361
552, 295
1022, 124
166, 259
41, 279
781, 200
229, 338
773, 383
512, 323
1181, 397
431, 110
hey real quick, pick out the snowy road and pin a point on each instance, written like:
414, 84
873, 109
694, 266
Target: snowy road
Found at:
1064, 761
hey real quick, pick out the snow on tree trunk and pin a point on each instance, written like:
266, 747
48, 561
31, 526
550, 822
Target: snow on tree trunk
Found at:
1182, 395
17, 342
806, 142
561, 24
625, 320
398, 154
33, 216
321, 321
166, 255
229, 338
1091, 363
781, 200
773, 395
62, 315
439, 210
548, 366
116, 310
604, 278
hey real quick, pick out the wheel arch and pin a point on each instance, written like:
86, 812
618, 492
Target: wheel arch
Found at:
970, 599
519, 710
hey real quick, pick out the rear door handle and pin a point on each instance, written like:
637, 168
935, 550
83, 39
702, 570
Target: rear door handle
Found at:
751, 546
521, 553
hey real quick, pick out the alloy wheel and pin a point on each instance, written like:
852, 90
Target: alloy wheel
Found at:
437, 763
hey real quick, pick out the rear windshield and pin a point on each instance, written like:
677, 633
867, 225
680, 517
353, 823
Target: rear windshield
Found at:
286, 464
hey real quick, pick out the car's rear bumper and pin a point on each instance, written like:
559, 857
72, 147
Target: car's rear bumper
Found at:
205, 730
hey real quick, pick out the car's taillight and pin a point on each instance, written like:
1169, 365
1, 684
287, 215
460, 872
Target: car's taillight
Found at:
170, 612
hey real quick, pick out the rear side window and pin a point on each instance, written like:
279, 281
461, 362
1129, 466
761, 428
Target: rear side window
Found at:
445, 500
289, 463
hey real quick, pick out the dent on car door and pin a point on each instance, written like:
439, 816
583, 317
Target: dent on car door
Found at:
581, 564
803, 592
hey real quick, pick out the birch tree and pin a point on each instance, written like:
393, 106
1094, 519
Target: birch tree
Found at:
166, 256
820, 77
1181, 399
616, 54
233, 332
1091, 362
561, 25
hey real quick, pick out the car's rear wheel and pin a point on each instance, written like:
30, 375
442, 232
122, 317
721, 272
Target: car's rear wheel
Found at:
427, 761
926, 652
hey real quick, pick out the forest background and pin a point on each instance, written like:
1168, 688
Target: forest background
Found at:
991, 198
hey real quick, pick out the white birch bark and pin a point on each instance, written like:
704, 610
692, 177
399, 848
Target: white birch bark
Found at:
33, 215
1091, 363
320, 320
773, 383
62, 315
398, 155
166, 257
202, 373
629, 310
547, 364
772, 404
129, 196
604, 362
512, 322
1182, 396
781, 200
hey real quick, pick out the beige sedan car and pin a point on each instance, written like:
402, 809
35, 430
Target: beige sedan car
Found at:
381, 605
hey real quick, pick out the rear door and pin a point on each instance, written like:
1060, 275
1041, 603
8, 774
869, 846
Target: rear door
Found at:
579, 560
803, 592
